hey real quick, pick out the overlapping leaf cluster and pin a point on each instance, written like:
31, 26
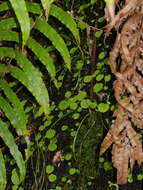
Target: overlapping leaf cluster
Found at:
18, 20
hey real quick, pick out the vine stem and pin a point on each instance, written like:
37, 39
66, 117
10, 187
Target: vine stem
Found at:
73, 146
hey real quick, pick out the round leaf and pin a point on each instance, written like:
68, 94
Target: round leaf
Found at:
52, 147
73, 106
52, 178
72, 171
49, 169
76, 116
64, 128
98, 87
50, 133
99, 77
103, 107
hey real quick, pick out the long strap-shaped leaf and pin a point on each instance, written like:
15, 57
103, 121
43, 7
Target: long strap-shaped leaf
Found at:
48, 31
66, 19
8, 23
8, 139
2, 172
17, 114
7, 52
31, 78
21, 12
9, 36
42, 55
39, 51
12, 115
55, 11
56, 40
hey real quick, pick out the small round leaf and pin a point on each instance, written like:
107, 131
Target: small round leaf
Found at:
50, 133
52, 178
103, 107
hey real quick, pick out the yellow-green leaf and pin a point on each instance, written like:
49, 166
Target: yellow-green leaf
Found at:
8, 139
20, 9
2, 172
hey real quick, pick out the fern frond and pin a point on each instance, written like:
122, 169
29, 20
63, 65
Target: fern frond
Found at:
55, 11
8, 23
21, 13
8, 139
42, 55
11, 115
4, 6
34, 8
9, 36
66, 19
31, 78
56, 40
15, 113
32, 44
2, 172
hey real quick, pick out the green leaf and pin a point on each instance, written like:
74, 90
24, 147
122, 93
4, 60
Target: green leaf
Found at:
2, 172
68, 94
49, 169
101, 19
103, 107
7, 52
85, 103
39, 51
34, 8
140, 177
68, 156
46, 5
107, 166
52, 178
56, 40
76, 116
4, 6
102, 55
98, 33
9, 36
9, 141
101, 159
10, 114
88, 78
72, 171
73, 106
8, 23
107, 78
81, 95
82, 25
66, 19
15, 177
42, 55
55, 11
99, 77
21, 12
16, 113
98, 87
64, 104
50, 133
52, 147
64, 127
31, 78
3, 68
